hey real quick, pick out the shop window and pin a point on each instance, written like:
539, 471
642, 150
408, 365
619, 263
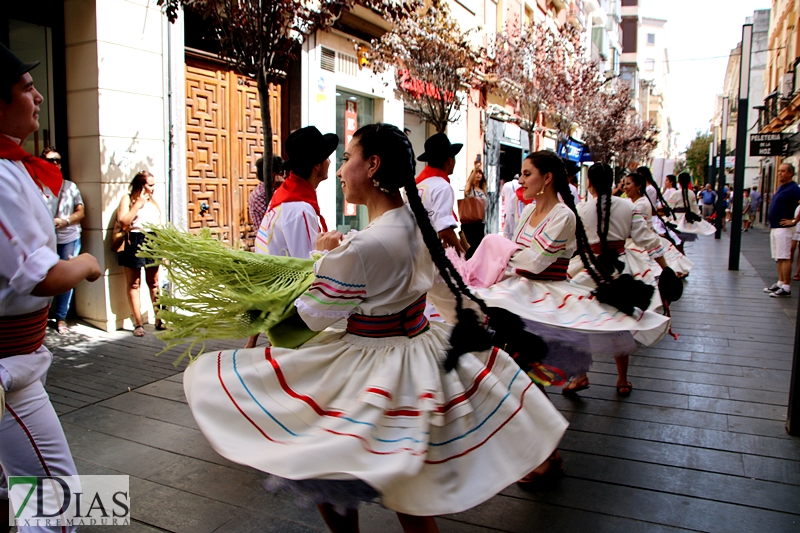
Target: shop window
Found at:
352, 112
650, 64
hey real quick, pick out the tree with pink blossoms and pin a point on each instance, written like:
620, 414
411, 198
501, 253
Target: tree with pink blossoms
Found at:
260, 38
433, 60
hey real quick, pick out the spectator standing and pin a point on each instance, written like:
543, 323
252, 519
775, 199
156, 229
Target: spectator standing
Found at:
726, 206
755, 203
781, 223
68, 212
707, 199
32, 441
746, 214
256, 202
476, 188
136, 210
510, 207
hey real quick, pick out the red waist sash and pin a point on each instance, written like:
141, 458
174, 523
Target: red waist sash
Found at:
557, 271
22, 334
616, 246
409, 322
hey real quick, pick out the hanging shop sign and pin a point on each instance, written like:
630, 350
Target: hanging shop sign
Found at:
574, 151
766, 144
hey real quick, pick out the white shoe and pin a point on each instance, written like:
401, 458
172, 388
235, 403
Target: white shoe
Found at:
774, 287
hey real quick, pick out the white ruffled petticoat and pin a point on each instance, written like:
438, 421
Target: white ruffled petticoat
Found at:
345, 407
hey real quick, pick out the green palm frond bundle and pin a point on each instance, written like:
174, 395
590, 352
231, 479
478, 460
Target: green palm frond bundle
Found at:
218, 292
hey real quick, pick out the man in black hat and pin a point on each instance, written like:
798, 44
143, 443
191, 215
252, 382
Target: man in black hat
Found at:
293, 220
434, 187
32, 442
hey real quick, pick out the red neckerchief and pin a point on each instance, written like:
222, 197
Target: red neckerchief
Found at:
296, 189
521, 199
43, 172
430, 172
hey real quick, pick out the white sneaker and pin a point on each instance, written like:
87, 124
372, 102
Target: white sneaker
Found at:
781, 293
774, 287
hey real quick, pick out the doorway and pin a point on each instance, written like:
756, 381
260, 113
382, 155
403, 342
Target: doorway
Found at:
352, 112
510, 162
223, 142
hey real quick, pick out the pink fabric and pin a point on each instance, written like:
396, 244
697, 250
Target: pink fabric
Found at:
487, 266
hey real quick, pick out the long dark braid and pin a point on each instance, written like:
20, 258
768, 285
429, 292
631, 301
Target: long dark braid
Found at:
547, 162
622, 292
684, 178
601, 176
642, 181
396, 171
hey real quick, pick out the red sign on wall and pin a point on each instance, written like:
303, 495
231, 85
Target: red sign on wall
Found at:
350, 127
418, 88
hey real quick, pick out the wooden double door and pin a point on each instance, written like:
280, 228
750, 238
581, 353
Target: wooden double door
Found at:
223, 142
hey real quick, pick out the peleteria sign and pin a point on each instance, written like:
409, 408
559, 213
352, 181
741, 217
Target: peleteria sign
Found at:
766, 144
418, 88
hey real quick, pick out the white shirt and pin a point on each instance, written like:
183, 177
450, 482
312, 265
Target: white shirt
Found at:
68, 199
625, 221
27, 241
289, 229
438, 198
512, 208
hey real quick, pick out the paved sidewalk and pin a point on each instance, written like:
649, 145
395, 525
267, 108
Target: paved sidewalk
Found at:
698, 446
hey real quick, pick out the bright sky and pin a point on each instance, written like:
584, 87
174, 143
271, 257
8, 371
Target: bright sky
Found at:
698, 30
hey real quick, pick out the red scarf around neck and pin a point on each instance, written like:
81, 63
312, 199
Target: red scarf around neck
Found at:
42, 172
430, 172
296, 189
521, 199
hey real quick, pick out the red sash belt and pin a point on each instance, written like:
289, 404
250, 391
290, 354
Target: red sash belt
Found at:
22, 334
409, 322
557, 271
616, 246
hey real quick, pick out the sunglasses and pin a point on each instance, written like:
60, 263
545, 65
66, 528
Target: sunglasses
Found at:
54, 160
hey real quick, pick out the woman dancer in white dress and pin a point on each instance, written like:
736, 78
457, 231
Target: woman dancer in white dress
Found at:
687, 214
371, 412
609, 222
634, 188
531, 278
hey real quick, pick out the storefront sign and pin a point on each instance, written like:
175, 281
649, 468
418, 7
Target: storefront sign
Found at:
574, 151
766, 144
418, 88
350, 127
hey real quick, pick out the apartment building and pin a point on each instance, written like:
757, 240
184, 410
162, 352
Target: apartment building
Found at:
758, 62
780, 111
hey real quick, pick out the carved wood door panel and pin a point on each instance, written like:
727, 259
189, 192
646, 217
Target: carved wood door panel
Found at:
224, 140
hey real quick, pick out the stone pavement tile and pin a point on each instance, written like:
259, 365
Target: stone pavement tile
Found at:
654, 452
759, 396
734, 407
152, 407
611, 408
772, 469
520, 515
117, 454
757, 426
668, 386
176, 439
603, 388
253, 522
688, 436
760, 362
178, 511
675, 510
134, 527
665, 478
165, 388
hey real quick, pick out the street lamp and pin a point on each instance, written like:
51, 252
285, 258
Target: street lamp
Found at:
721, 182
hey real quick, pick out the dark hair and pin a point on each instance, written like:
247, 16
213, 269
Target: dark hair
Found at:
438, 161
276, 166
672, 178
48, 150
622, 292
601, 177
397, 171
640, 181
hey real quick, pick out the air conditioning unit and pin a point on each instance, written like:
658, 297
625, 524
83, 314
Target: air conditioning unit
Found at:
787, 84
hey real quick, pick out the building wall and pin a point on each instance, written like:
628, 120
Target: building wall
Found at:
117, 122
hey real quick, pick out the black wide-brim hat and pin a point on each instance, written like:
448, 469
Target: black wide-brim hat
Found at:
307, 147
438, 146
12, 67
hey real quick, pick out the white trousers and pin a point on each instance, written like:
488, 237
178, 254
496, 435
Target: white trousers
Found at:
32, 442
